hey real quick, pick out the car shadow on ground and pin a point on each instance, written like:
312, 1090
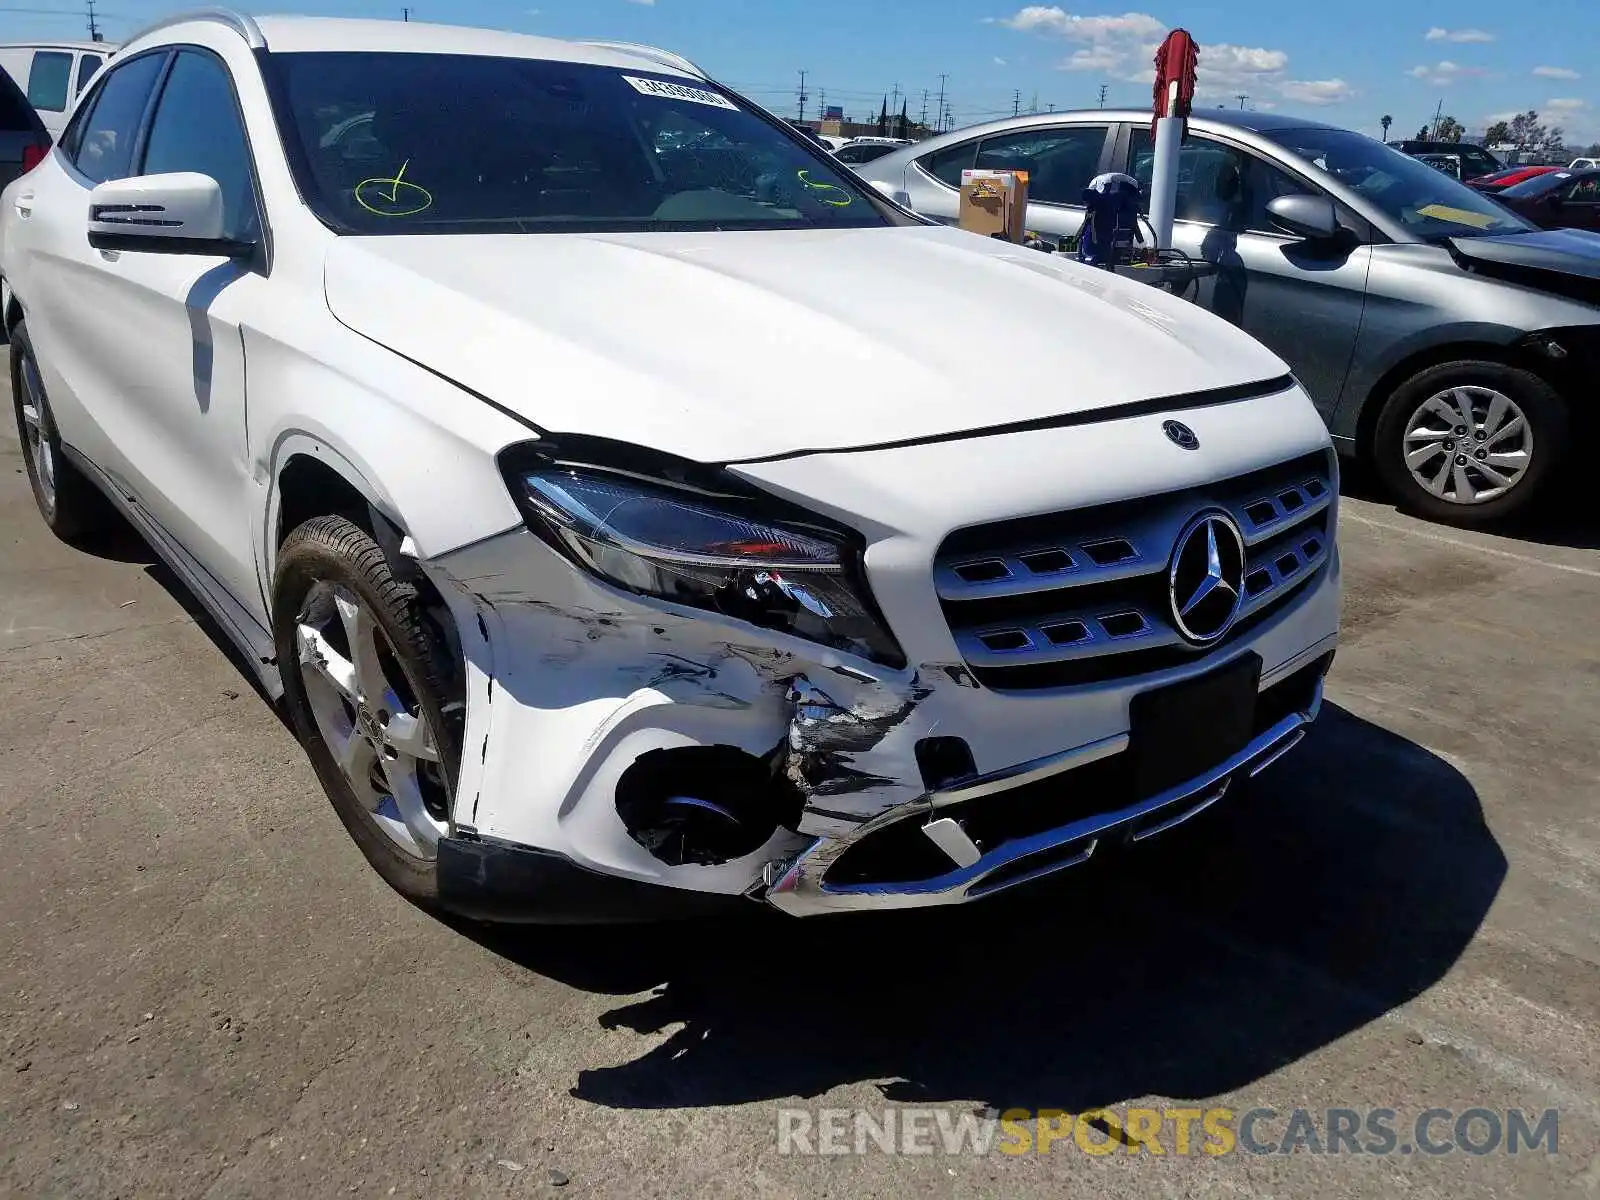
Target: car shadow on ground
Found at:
1344, 882
1563, 516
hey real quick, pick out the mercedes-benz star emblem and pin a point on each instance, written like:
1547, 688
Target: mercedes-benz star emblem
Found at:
1180, 435
1206, 580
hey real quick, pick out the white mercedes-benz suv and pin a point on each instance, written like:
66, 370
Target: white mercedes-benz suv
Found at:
469, 380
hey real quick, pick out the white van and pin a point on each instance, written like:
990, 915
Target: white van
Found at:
51, 74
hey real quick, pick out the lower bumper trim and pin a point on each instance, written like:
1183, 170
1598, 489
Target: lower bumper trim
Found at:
489, 880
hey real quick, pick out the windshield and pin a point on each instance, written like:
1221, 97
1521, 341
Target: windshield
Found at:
1429, 203
441, 143
1546, 181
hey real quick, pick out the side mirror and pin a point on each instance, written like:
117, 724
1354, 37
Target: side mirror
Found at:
180, 213
1310, 217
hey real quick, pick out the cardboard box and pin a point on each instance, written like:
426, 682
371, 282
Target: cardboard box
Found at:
994, 203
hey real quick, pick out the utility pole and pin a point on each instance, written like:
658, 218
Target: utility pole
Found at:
894, 98
1103, 90
1437, 114
923, 119
822, 103
405, 14
1016, 101
94, 28
1241, 97
942, 109
803, 96
1052, 108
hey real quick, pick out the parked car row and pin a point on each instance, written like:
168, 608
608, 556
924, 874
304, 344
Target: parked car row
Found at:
52, 74
1441, 335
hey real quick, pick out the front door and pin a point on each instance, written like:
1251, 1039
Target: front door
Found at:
1303, 300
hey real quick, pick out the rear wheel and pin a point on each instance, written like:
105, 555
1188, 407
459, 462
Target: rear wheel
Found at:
367, 685
68, 502
1470, 442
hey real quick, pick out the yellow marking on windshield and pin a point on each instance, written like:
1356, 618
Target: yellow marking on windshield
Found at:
811, 185
401, 199
1461, 216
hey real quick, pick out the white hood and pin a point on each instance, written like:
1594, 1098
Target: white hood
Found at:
720, 347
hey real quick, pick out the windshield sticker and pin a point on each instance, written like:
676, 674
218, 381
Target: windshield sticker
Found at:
830, 194
393, 197
663, 90
1461, 216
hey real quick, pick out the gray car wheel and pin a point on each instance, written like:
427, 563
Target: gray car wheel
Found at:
1470, 442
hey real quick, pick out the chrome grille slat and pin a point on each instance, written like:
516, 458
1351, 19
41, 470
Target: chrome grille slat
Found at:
1040, 649
1003, 615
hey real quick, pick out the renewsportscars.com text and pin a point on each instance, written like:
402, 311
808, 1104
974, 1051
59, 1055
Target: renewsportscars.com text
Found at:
1161, 1131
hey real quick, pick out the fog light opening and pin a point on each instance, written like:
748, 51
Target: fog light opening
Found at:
703, 805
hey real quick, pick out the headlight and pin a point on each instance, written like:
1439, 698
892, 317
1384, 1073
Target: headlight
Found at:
706, 554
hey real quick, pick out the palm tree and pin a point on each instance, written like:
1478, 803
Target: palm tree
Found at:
1386, 120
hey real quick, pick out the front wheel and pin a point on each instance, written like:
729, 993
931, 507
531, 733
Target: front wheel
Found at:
367, 686
1470, 442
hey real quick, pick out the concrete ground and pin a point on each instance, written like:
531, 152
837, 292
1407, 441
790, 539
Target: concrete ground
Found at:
205, 992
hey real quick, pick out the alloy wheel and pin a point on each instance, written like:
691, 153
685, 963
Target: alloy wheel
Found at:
1468, 445
369, 717
36, 428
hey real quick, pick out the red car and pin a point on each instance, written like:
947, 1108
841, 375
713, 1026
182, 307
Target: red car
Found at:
1499, 181
1557, 199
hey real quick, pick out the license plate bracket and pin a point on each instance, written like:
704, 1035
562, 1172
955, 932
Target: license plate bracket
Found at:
1185, 729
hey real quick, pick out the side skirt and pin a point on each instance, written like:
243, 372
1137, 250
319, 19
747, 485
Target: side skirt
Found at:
242, 629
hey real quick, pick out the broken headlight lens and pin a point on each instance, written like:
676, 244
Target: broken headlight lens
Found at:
689, 550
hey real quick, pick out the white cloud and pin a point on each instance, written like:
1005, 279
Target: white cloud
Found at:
1566, 105
1038, 18
1317, 92
1123, 47
1556, 73
646, 3
998, 61
1100, 58
1444, 73
1459, 35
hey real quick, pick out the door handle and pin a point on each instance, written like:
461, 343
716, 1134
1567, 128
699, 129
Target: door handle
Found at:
24, 205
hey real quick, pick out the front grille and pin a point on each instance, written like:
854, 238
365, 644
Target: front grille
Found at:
1082, 596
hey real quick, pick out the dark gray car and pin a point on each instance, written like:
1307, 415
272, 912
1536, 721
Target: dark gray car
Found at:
1439, 334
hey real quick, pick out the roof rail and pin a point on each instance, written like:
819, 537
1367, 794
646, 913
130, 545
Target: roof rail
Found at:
241, 23
665, 57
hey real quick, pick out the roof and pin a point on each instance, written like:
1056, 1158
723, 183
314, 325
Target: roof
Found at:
1262, 122
289, 34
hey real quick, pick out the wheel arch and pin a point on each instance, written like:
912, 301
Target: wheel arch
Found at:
1522, 354
311, 477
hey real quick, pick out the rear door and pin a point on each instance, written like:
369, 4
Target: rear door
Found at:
1060, 161
1303, 300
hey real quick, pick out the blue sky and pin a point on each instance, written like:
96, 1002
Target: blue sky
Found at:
1348, 64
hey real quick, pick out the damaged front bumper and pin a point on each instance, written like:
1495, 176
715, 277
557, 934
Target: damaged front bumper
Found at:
907, 841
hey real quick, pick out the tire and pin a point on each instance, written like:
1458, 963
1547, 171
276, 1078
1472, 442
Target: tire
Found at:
70, 504
1413, 422
324, 567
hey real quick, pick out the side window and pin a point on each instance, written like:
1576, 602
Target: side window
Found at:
1217, 184
197, 128
87, 66
946, 165
104, 144
48, 80
1060, 161
1585, 191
